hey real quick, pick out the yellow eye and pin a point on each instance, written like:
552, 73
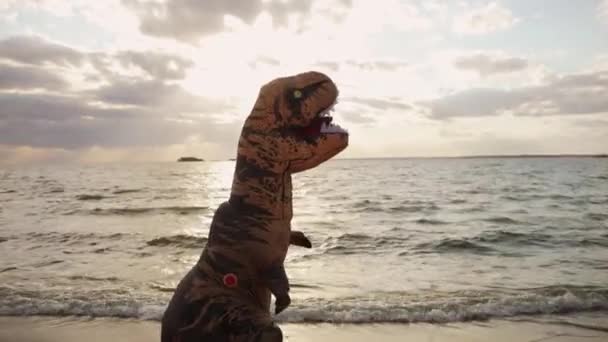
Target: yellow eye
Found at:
297, 94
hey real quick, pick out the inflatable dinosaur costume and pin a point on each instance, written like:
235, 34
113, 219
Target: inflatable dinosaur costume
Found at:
226, 295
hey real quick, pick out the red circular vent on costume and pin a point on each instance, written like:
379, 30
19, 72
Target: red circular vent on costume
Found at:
231, 280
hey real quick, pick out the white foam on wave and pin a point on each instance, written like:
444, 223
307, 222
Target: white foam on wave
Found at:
446, 312
345, 310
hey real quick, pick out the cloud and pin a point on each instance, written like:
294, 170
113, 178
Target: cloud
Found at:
189, 20
356, 117
157, 65
486, 64
264, 60
385, 65
73, 122
328, 65
584, 93
156, 95
54, 109
363, 65
148, 64
378, 103
124, 113
486, 19
602, 9
592, 123
37, 51
7, 4
34, 50
28, 78
570, 94
134, 105
27, 154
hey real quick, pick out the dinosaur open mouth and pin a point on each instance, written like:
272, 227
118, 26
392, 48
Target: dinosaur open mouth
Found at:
321, 124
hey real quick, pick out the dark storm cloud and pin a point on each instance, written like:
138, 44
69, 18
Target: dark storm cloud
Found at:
28, 78
487, 65
188, 20
585, 93
35, 50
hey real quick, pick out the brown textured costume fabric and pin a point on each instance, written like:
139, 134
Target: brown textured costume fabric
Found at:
251, 232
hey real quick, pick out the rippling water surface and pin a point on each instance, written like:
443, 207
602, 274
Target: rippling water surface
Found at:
394, 240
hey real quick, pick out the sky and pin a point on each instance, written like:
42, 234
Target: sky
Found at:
153, 80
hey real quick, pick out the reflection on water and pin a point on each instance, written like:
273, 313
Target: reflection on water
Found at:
426, 240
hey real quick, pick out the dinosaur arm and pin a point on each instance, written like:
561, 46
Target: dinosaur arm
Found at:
278, 283
297, 238
277, 280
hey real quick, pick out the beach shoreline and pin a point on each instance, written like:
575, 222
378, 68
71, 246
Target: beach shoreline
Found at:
588, 327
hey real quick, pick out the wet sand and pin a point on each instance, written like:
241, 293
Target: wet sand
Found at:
51, 329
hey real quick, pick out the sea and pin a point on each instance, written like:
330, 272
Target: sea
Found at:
394, 240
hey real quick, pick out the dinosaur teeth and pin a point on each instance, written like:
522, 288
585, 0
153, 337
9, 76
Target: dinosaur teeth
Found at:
331, 128
329, 109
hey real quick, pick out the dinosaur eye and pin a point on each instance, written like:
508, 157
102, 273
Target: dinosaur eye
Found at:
297, 94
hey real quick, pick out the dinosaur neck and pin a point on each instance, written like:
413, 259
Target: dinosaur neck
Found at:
260, 191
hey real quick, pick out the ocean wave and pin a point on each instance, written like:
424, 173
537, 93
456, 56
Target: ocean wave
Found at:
431, 222
535, 197
91, 278
502, 236
452, 245
162, 288
372, 308
496, 241
601, 242
125, 191
596, 216
180, 240
87, 197
352, 243
501, 220
181, 210
71, 237
367, 206
414, 208
55, 191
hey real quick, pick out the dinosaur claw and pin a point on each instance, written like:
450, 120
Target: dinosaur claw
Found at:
281, 304
299, 239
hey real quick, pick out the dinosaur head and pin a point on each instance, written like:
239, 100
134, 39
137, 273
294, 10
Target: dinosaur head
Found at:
293, 114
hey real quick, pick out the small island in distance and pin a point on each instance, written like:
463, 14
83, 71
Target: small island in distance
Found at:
189, 159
